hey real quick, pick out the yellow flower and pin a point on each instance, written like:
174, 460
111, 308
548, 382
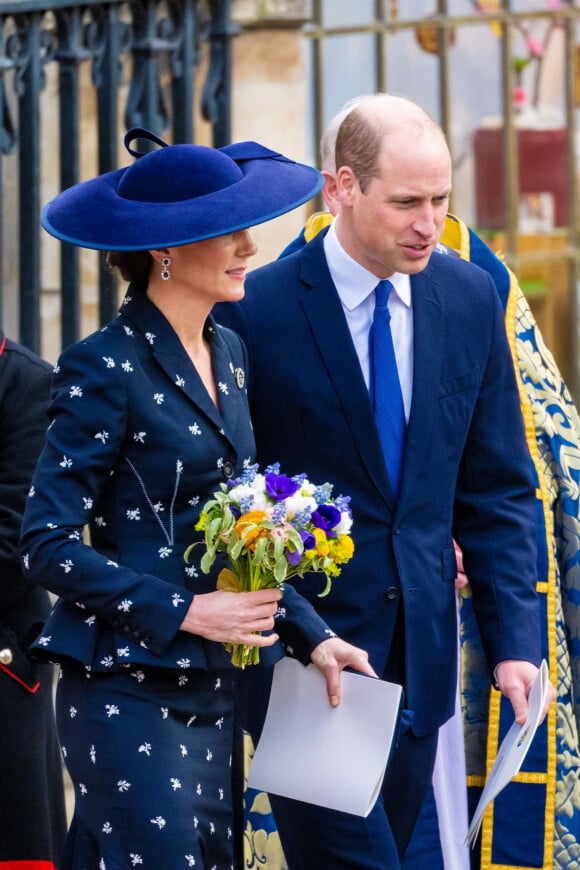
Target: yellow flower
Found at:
322, 548
201, 523
342, 548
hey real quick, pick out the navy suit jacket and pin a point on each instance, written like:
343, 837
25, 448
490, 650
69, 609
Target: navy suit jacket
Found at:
466, 470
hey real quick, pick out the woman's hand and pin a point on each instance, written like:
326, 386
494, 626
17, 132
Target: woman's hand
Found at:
332, 656
234, 617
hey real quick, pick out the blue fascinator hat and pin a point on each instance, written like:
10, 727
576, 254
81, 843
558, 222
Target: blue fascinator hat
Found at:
177, 194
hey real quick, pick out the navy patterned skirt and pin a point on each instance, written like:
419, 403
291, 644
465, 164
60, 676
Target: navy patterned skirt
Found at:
149, 752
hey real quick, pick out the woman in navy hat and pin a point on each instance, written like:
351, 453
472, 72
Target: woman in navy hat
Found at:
148, 416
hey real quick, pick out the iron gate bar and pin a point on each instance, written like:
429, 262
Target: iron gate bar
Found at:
160, 42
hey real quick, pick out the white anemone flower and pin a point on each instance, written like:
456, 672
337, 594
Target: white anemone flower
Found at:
298, 503
345, 524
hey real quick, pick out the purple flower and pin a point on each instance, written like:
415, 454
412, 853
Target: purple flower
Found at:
308, 539
326, 517
309, 542
279, 486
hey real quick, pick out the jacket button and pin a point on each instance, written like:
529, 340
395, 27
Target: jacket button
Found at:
228, 469
6, 656
147, 638
397, 531
126, 629
392, 593
137, 634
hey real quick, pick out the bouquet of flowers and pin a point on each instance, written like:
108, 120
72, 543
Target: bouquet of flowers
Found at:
273, 527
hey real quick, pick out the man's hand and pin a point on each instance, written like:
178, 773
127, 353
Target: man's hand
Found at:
461, 579
515, 680
332, 656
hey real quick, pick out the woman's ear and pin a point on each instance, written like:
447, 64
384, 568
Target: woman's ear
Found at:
159, 254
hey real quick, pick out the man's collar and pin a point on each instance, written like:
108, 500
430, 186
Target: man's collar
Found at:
353, 282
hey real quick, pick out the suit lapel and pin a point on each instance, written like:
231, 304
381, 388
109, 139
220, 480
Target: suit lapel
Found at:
330, 330
324, 312
231, 385
171, 357
428, 345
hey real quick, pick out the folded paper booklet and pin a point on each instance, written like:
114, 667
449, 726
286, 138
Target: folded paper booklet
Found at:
330, 756
512, 751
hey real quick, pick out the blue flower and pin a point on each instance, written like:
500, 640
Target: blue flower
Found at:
342, 502
248, 474
323, 493
302, 518
246, 504
280, 486
279, 514
326, 517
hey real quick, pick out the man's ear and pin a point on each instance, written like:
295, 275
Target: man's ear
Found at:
346, 186
329, 192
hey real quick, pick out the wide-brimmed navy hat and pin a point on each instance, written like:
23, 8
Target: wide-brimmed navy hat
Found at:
179, 194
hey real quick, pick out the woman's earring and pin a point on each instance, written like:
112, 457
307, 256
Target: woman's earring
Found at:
165, 273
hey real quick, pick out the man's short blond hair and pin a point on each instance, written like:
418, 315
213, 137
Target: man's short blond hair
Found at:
362, 127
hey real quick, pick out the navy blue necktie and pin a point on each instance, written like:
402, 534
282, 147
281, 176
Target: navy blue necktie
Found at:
385, 387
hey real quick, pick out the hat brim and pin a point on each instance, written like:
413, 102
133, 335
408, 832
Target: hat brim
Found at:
92, 214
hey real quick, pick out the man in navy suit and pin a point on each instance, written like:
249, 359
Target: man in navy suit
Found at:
466, 470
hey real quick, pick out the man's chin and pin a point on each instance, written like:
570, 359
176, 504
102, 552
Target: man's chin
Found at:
412, 267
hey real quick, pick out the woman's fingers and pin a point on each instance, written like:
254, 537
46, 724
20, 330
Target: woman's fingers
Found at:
233, 617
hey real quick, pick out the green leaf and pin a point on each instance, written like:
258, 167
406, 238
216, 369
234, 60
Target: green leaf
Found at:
260, 551
187, 553
229, 519
235, 548
215, 526
327, 588
280, 569
295, 539
207, 561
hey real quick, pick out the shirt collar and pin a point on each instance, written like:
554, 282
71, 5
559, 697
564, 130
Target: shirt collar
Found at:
353, 282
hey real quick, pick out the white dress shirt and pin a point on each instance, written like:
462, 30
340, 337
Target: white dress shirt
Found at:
355, 286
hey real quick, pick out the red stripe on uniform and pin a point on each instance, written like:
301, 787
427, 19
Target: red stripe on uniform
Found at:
27, 865
31, 689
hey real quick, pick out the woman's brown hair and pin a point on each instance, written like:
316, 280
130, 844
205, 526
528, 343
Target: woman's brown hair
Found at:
134, 266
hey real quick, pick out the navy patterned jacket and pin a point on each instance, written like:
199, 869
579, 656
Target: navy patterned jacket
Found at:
134, 448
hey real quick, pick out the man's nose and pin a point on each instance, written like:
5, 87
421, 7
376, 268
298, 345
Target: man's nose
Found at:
424, 222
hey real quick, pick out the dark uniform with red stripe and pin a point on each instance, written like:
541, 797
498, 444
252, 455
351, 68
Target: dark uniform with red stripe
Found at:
32, 812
